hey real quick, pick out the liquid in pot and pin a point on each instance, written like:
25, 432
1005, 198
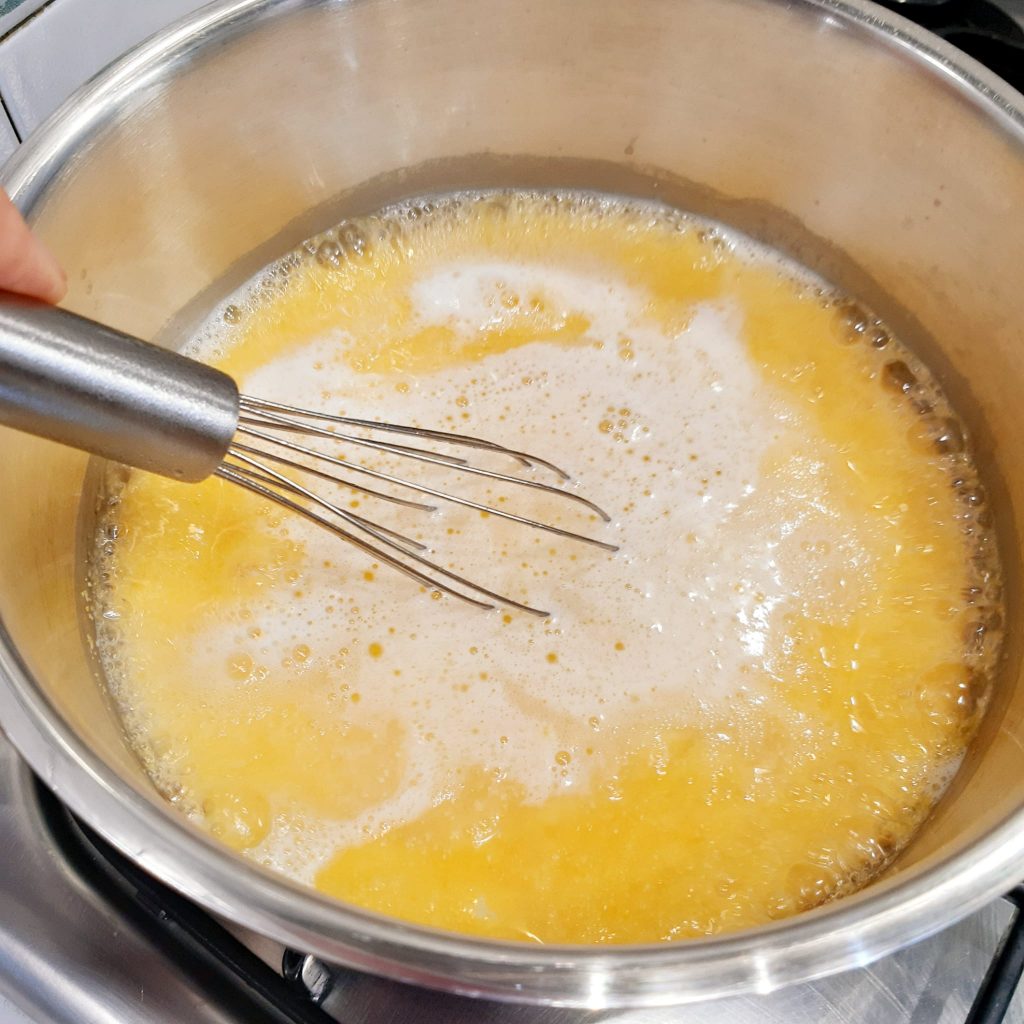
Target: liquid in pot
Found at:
745, 712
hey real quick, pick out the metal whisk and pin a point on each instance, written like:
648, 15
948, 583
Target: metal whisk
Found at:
88, 386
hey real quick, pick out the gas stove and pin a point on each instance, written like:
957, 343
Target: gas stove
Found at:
86, 937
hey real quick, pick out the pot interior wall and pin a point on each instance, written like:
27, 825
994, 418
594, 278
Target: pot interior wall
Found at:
824, 138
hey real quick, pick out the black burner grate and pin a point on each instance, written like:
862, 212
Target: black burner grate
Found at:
1003, 976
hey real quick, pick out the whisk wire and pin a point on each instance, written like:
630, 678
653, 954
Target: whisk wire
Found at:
258, 442
279, 422
275, 420
443, 495
256, 470
446, 437
264, 485
238, 446
228, 473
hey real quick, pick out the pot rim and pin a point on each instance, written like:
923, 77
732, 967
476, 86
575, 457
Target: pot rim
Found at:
848, 933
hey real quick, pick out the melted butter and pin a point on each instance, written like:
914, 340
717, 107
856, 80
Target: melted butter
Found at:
745, 713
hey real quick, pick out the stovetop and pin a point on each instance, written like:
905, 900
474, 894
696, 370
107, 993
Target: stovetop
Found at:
88, 938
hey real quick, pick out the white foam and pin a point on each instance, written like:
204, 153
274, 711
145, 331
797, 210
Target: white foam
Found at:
689, 596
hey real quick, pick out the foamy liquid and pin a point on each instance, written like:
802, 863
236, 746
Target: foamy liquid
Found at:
669, 425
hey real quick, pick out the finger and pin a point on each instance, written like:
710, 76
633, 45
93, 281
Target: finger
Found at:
26, 265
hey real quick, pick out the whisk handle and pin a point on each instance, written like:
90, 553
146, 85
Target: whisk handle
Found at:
91, 387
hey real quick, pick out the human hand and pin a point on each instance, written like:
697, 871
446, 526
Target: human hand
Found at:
26, 265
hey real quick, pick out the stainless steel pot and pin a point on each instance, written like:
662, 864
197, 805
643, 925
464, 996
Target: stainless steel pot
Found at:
858, 143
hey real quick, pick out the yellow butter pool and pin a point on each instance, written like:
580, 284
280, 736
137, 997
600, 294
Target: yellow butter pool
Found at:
745, 712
